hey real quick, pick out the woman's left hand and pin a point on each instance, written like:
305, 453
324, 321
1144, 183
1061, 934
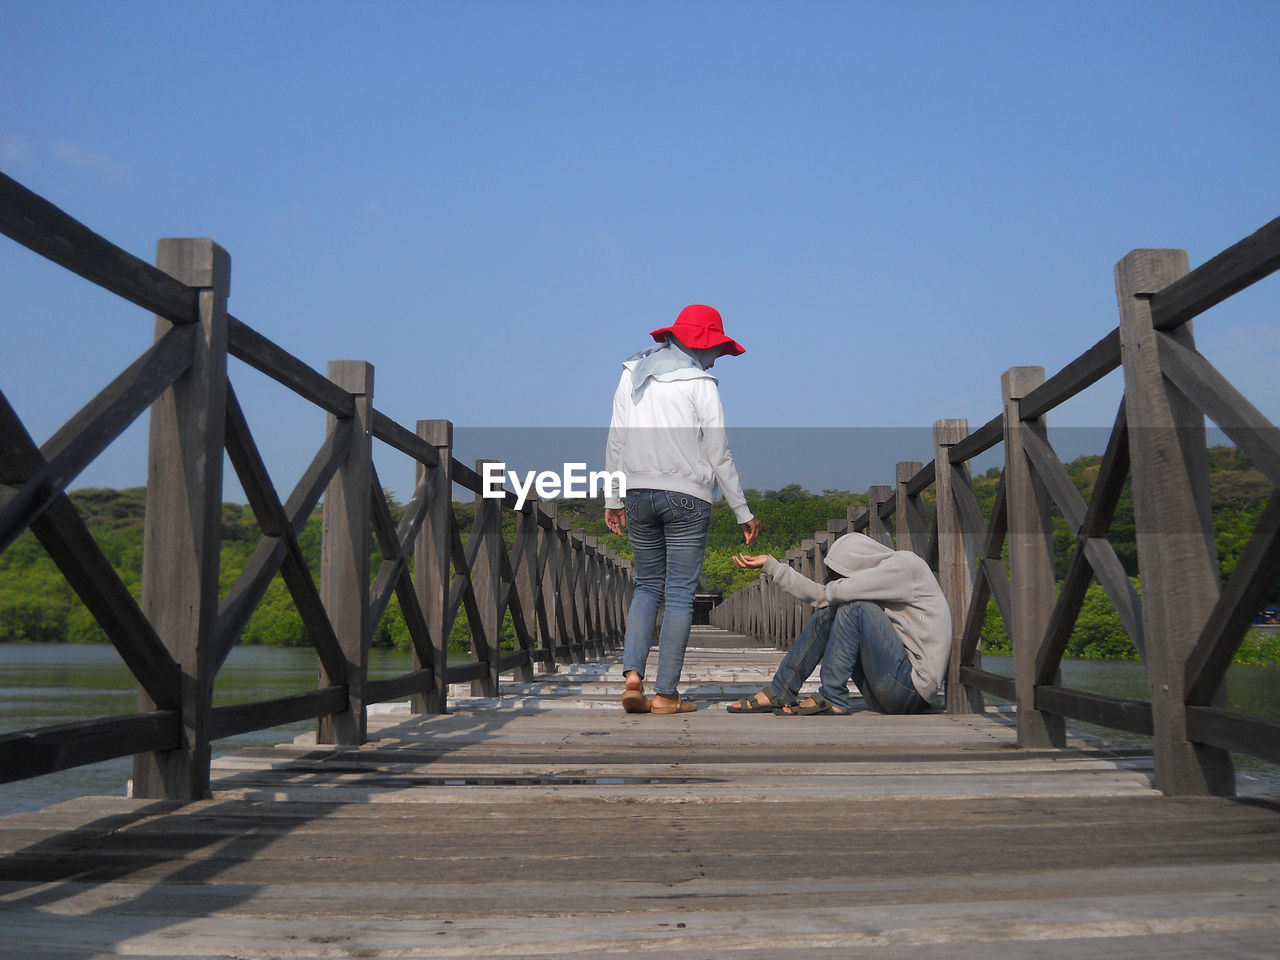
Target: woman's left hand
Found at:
615, 519
749, 561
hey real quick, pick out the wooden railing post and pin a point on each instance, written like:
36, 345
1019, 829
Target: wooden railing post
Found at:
609, 573
567, 622
183, 527
1034, 588
955, 566
797, 614
586, 592
345, 555
605, 588
789, 606
431, 562
857, 519
608, 576
621, 598
486, 576
822, 540
551, 624
769, 596
878, 529
808, 560
755, 620
591, 594
582, 565
613, 597
577, 597
528, 579
628, 593
771, 629
907, 520
1177, 557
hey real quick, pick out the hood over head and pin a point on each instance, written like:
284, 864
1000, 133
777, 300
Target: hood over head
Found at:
855, 553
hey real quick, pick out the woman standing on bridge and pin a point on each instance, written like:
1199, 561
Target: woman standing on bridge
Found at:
667, 436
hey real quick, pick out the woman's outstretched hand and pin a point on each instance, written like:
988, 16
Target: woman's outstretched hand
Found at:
750, 561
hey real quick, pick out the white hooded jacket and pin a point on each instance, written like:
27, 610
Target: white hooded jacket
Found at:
673, 438
901, 582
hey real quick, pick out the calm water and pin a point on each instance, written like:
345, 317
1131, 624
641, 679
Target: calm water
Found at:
1251, 690
45, 684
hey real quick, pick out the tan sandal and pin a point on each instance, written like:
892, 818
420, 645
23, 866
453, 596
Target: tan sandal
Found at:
633, 699
679, 706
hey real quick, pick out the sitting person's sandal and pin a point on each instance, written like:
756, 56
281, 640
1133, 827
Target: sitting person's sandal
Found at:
752, 704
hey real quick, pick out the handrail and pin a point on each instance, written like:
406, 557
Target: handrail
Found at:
245, 343
1239, 266
1081, 373
980, 441
922, 480
41, 227
565, 595
1185, 629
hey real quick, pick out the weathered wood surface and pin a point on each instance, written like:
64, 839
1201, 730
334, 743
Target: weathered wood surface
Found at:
1031, 574
344, 555
955, 565
1172, 512
182, 534
549, 823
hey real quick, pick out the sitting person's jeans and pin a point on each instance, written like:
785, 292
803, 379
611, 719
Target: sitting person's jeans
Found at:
853, 641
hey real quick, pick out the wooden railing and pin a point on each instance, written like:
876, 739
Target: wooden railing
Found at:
566, 596
1185, 628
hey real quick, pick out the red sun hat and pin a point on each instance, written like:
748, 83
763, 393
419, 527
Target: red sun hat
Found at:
700, 327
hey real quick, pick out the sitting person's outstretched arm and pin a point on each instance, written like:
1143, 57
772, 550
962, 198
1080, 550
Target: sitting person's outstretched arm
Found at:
792, 581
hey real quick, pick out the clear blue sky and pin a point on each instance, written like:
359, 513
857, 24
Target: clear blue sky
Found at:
493, 202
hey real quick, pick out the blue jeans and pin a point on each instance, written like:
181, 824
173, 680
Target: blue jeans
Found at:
852, 641
668, 533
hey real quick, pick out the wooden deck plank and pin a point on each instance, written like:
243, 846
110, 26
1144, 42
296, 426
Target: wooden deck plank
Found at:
552, 824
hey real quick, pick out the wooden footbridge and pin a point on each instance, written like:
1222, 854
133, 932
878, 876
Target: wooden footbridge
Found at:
508, 807
550, 823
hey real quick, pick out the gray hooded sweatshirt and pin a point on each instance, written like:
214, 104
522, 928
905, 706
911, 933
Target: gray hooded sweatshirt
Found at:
901, 582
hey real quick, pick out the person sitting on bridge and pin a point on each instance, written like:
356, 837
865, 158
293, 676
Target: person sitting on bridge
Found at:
880, 620
667, 436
